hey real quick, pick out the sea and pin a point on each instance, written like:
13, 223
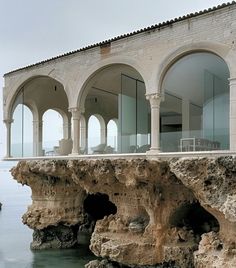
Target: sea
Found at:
15, 237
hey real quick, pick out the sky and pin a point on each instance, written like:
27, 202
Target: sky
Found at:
31, 31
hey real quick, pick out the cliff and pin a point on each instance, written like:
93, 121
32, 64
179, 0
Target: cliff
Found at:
141, 213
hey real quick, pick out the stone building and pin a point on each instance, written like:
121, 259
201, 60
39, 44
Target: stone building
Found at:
170, 87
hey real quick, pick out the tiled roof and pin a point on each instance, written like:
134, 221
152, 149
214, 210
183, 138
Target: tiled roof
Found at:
152, 27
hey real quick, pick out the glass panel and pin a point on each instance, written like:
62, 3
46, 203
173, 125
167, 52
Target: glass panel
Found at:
221, 112
22, 129
171, 123
195, 113
208, 111
143, 119
134, 117
128, 116
17, 132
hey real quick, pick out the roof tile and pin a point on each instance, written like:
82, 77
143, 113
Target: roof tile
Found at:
155, 26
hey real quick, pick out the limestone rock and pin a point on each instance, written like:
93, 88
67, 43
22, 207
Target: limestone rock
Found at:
109, 264
56, 198
54, 237
213, 182
162, 208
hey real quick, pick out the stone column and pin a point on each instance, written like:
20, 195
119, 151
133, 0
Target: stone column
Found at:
103, 134
8, 123
232, 114
83, 134
66, 130
38, 137
155, 100
76, 113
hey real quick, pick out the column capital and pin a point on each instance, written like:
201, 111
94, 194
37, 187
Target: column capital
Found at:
232, 80
76, 112
38, 122
8, 121
154, 99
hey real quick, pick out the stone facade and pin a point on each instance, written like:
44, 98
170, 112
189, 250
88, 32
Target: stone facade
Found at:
150, 53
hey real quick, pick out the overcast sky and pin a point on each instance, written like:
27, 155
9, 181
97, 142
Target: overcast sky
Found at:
32, 30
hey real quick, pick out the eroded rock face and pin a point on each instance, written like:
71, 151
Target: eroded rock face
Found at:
213, 182
56, 198
109, 264
159, 216
55, 237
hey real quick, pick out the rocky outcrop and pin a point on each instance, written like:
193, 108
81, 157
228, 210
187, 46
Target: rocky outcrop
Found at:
54, 237
57, 202
172, 213
109, 264
213, 182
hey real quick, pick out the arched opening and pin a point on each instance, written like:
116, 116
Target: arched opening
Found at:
52, 131
195, 113
118, 91
194, 217
95, 144
112, 135
22, 132
41, 93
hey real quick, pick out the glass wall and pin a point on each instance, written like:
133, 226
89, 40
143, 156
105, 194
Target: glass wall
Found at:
118, 92
32, 135
195, 113
134, 116
22, 132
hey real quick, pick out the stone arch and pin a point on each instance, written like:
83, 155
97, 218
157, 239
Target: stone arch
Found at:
194, 85
101, 120
101, 65
98, 142
32, 107
102, 127
20, 83
61, 112
208, 47
114, 140
50, 140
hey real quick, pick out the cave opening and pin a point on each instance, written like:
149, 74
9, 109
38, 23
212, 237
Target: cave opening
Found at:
96, 207
194, 217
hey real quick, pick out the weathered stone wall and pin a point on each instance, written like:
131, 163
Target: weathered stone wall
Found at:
159, 219
150, 53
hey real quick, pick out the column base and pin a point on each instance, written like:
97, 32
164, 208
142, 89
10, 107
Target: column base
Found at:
7, 156
74, 154
153, 151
